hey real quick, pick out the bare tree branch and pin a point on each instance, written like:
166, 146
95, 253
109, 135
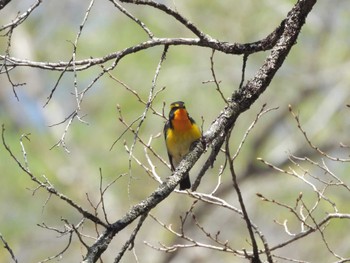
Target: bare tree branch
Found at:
225, 47
8, 248
255, 257
21, 18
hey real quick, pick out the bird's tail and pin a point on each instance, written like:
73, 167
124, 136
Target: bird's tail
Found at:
185, 183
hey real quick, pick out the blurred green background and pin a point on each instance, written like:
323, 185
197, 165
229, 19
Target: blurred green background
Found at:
314, 80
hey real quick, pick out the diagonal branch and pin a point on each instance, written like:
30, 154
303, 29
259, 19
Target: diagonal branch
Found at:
8, 248
255, 257
21, 18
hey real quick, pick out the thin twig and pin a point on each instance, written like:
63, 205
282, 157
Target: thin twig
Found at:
244, 64
4, 65
24, 150
134, 92
217, 83
21, 18
255, 258
296, 117
320, 231
8, 248
132, 17
188, 24
149, 101
129, 244
258, 116
192, 242
292, 172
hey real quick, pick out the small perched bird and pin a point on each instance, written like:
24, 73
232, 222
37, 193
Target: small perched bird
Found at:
180, 132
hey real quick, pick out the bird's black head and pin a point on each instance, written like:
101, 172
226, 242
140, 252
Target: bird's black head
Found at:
177, 105
174, 107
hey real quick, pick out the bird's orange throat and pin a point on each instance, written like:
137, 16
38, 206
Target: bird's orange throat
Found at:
181, 122
180, 114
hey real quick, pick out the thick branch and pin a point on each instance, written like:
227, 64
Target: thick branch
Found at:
3, 3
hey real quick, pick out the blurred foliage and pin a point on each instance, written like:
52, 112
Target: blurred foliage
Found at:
314, 79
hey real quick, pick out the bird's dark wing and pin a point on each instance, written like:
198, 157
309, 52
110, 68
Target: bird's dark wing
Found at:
166, 127
191, 119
